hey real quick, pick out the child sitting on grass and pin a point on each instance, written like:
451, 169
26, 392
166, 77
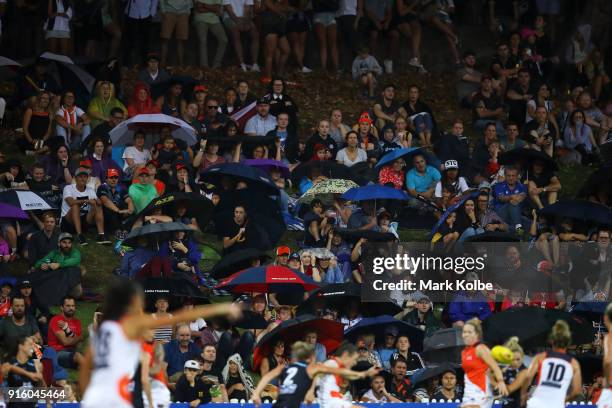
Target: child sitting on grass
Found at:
366, 68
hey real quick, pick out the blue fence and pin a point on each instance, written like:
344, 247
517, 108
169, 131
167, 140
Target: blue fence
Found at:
385, 405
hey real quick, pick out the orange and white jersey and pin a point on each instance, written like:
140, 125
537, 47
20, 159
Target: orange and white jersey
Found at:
329, 387
477, 390
115, 358
555, 373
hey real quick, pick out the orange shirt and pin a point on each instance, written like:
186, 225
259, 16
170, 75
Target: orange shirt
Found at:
149, 348
474, 367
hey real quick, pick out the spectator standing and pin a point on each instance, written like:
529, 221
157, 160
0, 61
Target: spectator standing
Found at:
298, 26
238, 18
65, 334
274, 31
207, 17
57, 26
508, 198
180, 350
138, 15
326, 31
175, 20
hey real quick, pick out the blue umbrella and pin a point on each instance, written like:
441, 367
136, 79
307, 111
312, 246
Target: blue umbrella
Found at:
582, 210
406, 154
374, 192
378, 324
451, 209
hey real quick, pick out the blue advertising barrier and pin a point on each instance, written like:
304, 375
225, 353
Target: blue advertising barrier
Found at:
384, 405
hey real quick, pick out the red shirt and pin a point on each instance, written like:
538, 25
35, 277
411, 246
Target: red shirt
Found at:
73, 323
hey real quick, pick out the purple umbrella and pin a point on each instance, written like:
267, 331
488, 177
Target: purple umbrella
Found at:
268, 164
9, 211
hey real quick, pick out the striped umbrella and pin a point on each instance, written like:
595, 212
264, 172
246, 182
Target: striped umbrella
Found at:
25, 199
268, 279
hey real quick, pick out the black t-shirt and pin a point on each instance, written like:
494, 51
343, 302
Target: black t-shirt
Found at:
491, 102
518, 109
118, 196
295, 383
17, 381
101, 132
231, 230
543, 179
388, 109
413, 361
309, 218
185, 392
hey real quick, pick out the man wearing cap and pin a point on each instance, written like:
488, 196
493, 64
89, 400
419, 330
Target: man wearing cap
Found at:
262, 122
282, 255
143, 192
295, 262
116, 203
451, 186
64, 257
422, 316
190, 387
43, 241
81, 206
386, 350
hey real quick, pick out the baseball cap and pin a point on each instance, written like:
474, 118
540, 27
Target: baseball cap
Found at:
283, 250
25, 284
294, 256
484, 184
142, 171
86, 163
81, 170
263, 101
200, 88
180, 166
365, 118
112, 173
65, 235
192, 365
451, 164
152, 56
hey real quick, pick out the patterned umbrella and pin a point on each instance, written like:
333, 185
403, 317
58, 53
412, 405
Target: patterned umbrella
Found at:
25, 199
268, 279
326, 190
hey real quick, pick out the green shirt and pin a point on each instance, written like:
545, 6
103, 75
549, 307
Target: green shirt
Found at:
141, 195
65, 261
210, 18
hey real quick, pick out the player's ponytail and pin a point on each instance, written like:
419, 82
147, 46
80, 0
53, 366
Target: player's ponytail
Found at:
513, 345
560, 335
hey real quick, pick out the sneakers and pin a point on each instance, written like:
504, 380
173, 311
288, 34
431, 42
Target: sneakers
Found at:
82, 240
255, 68
244, 67
414, 62
102, 240
305, 70
388, 66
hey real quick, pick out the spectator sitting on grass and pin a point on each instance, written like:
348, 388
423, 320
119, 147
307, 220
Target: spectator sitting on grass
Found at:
366, 68
65, 334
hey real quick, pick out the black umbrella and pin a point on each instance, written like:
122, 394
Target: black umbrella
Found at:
526, 157
445, 345
581, 210
176, 290
427, 373
255, 178
340, 295
187, 82
329, 169
532, 325
599, 180
198, 206
158, 230
378, 324
251, 320
263, 212
372, 236
493, 236
236, 261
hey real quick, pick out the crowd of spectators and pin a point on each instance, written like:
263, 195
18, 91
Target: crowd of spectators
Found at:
245, 167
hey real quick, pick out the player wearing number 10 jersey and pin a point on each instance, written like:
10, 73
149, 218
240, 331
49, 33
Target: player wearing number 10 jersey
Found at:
296, 379
556, 372
114, 352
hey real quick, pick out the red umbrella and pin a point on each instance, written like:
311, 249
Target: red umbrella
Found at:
269, 278
330, 334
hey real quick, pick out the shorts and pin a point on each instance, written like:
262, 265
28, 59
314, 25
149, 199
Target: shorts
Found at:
298, 23
605, 399
334, 403
65, 358
474, 395
231, 24
56, 34
326, 18
177, 23
272, 23
159, 393
405, 19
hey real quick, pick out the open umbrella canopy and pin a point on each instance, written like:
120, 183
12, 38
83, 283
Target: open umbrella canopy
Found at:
378, 324
7, 62
329, 333
70, 72
591, 310
255, 178
599, 180
327, 190
236, 261
159, 231
525, 158
329, 169
374, 192
12, 212
407, 154
268, 279
581, 210
425, 374
123, 133
499, 327
268, 165
176, 290
340, 295
198, 206
25, 199
372, 236
445, 345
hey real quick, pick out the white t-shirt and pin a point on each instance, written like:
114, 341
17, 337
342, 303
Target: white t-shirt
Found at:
70, 190
372, 397
139, 157
77, 113
197, 325
462, 187
343, 158
237, 6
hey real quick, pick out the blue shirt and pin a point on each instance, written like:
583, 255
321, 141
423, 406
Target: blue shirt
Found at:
503, 189
422, 182
176, 359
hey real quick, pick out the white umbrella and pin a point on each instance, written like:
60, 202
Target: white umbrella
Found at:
25, 199
123, 133
7, 62
83, 76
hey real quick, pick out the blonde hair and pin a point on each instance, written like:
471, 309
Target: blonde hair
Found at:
300, 350
477, 325
560, 335
514, 346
